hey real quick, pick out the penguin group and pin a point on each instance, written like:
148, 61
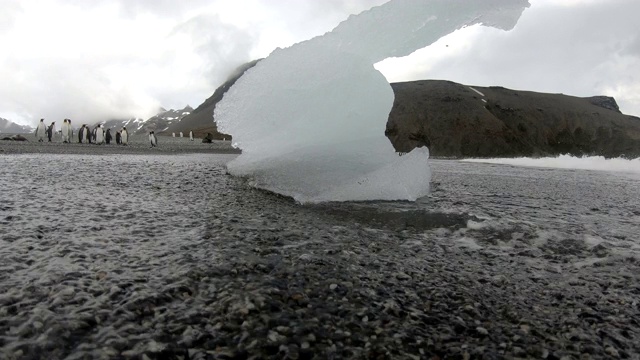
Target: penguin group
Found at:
86, 135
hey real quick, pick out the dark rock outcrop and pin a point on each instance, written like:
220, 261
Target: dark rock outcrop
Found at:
16, 137
455, 120
208, 139
606, 102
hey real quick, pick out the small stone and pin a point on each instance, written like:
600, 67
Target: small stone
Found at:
402, 276
518, 351
525, 329
482, 331
305, 345
544, 354
499, 280
293, 352
333, 286
274, 336
611, 351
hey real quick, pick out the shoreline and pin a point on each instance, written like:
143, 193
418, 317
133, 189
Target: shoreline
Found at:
138, 145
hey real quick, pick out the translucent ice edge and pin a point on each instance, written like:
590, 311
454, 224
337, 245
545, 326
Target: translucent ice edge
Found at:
310, 119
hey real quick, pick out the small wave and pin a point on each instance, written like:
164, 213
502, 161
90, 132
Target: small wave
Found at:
598, 163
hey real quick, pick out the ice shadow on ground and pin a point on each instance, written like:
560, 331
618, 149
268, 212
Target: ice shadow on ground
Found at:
368, 214
389, 215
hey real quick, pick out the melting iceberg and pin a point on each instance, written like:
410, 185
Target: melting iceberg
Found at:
310, 119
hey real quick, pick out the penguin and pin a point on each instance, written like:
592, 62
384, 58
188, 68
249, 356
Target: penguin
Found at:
173, 134
153, 139
191, 135
99, 135
70, 130
87, 134
107, 137
118, 138
51, 130
124, 136
181, 135
64, 131
41, 131
80, 134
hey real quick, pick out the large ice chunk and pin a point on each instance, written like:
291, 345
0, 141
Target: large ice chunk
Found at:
310, 119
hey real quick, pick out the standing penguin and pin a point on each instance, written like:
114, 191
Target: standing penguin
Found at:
153, 139
118, 138
191, 135
80, 134
87, 134
70, 130
51, 130
181, 134
41, 131
64, 131
124, 136
107, 137
99, 135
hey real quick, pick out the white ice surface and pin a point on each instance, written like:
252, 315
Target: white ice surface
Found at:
598, 163
310, 119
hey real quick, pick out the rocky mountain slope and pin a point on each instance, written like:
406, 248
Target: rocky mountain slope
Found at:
9, 127
456, 120
160, 123
201, 119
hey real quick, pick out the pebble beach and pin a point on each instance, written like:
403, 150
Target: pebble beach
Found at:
112, 252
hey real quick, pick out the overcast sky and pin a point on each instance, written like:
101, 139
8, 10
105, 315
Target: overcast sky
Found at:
101, 59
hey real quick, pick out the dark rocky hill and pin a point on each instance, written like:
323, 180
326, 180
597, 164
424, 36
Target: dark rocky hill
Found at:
455, 120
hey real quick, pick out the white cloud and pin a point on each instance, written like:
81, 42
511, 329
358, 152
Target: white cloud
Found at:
580, 47
94, 60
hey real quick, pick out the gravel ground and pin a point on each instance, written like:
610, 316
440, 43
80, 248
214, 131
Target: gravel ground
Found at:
166, 257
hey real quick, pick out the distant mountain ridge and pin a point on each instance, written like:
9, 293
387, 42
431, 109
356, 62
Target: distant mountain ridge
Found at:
9, 127
158, 123
452, 120
455, 120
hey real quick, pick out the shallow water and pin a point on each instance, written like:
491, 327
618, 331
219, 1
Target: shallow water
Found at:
503, 207
103, 255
